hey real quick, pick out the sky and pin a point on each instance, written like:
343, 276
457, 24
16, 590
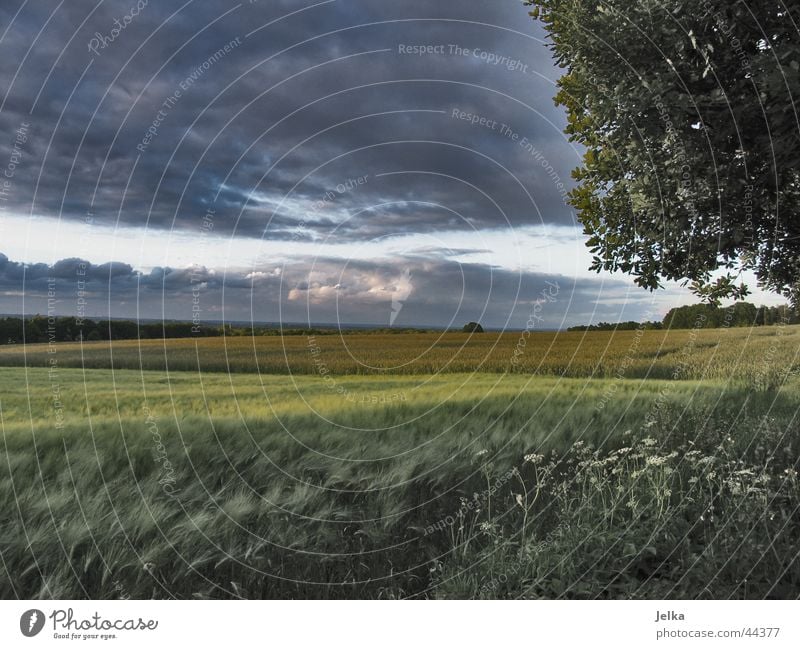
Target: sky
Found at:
358, 161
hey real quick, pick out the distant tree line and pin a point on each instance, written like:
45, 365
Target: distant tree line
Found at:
43, 329
706, 316
621, 326
741, 314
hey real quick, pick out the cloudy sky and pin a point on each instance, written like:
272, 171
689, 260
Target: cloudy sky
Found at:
340, 161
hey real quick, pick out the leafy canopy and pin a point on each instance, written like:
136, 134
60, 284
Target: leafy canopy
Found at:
688, 113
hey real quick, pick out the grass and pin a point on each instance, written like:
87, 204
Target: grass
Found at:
120, 483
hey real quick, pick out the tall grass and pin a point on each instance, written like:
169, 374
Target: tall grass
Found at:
218, 486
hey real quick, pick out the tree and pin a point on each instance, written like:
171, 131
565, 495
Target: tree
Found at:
740, 314
472, 328
688, 115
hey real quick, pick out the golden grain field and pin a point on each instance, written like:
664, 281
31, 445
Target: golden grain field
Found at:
758, 354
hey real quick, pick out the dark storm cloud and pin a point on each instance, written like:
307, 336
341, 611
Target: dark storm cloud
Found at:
146, 124
404, 291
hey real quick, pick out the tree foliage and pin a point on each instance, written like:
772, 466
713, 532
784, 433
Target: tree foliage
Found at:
42, 329
741, 314
629, 325
688, 114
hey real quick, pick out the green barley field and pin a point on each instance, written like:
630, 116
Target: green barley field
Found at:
584, 465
